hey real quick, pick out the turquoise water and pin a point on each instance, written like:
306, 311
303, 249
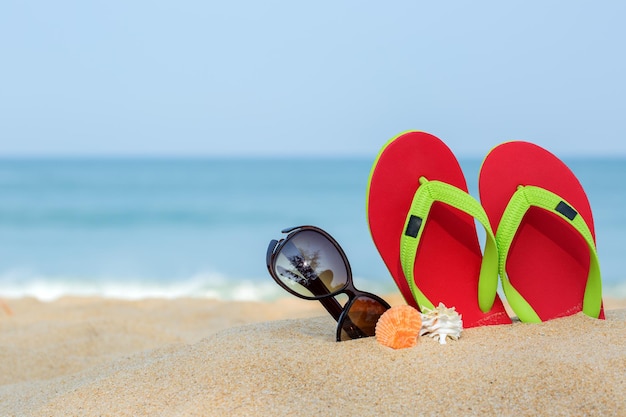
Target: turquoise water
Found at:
200, 227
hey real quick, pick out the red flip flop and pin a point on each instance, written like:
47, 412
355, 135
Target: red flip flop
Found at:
421, 219
544, 229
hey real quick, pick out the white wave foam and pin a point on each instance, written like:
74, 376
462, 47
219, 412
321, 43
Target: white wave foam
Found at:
210, 285
202, 285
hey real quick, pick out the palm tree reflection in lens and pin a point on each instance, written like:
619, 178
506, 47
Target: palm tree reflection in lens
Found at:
310, 265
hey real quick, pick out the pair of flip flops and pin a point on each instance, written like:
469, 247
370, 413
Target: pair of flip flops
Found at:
539, 233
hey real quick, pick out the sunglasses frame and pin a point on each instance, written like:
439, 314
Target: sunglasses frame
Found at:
330, 303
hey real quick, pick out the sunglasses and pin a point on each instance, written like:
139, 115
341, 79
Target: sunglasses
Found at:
310, 264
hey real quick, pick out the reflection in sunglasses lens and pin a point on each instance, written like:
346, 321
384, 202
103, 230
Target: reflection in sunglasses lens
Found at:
360, 320
310, 265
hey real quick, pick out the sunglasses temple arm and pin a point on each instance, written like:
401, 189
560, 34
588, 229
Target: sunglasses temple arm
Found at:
317, 287
332, 306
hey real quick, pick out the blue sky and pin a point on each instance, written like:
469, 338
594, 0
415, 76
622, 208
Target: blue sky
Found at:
309, 78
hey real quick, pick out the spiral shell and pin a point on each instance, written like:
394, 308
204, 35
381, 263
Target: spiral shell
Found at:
399, 327
441, 323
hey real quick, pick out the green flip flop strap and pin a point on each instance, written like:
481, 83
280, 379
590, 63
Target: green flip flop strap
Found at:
425, 196
519, 204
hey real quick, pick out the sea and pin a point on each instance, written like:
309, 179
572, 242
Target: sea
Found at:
135, 228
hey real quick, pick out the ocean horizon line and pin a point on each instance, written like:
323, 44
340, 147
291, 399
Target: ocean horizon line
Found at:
262, 157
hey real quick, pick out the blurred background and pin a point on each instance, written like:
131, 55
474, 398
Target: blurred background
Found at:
153, 148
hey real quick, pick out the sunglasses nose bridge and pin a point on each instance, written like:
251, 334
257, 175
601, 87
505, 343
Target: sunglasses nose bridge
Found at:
350, 289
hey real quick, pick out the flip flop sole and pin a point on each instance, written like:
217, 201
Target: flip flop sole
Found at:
548, 261
448, 259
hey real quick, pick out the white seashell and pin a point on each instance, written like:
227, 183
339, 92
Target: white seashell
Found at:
441, 323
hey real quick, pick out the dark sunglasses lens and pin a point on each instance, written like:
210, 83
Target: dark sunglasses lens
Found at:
310, 265
360, 320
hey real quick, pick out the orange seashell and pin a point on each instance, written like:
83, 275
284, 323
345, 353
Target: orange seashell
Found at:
399, 327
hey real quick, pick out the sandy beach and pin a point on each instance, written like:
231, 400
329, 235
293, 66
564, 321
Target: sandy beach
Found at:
195, 357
